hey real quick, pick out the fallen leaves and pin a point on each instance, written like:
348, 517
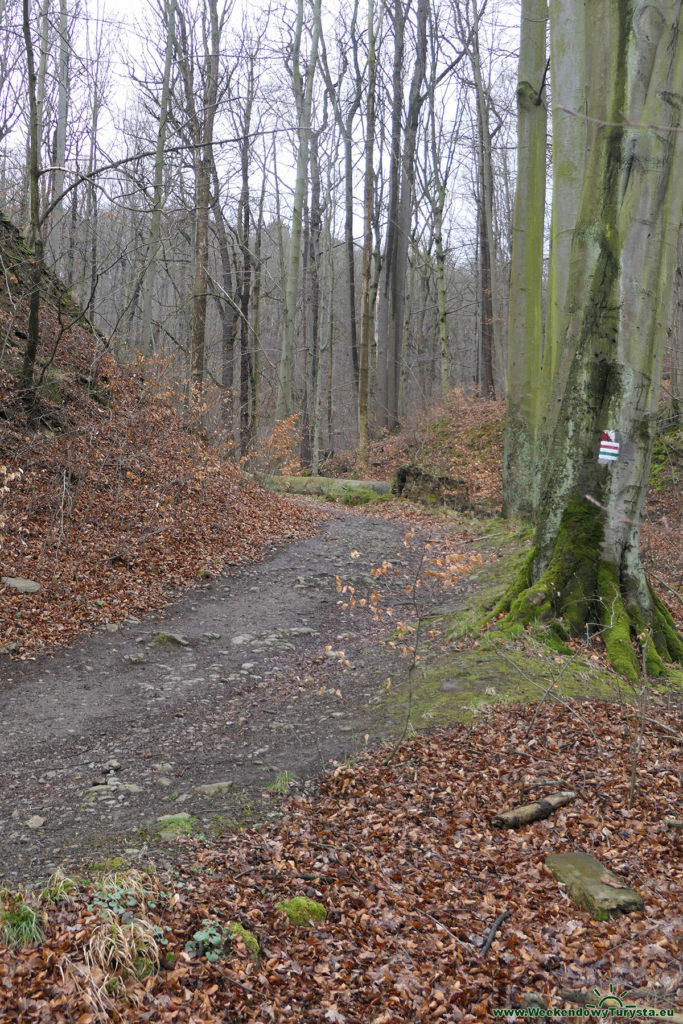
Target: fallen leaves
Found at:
112, 516
414, 882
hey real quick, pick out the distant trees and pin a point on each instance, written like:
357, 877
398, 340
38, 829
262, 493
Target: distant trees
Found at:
271, 213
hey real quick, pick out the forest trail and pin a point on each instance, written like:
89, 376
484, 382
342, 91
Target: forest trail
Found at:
101, 738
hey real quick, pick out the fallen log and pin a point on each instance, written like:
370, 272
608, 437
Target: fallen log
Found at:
673, 822
351, 491
532, 812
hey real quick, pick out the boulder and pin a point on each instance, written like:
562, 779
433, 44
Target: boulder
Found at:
20, 584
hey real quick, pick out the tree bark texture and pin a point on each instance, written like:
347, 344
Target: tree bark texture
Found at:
524, 406
586, 564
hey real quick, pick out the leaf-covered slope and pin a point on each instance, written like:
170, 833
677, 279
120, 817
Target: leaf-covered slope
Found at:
108, 498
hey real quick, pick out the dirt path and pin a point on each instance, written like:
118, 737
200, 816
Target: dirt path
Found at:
100, 739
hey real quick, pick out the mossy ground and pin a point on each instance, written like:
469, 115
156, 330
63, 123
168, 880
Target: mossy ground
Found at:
516, 664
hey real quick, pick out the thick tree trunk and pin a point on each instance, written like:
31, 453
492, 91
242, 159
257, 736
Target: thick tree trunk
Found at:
586, 564
568, 57
674, 412
525, 406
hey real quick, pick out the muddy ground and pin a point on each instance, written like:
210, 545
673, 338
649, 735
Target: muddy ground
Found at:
238, 681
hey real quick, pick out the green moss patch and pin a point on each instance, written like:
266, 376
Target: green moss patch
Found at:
451, 689
302, 911
170, 826
247, 937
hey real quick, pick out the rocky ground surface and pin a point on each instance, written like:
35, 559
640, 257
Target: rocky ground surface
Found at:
206, 710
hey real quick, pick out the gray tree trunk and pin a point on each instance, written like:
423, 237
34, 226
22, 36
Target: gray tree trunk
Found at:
619, 283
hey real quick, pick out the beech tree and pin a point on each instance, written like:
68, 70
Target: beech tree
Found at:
525, 406
585, 564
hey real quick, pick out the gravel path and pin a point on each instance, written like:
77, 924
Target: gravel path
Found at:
238, 681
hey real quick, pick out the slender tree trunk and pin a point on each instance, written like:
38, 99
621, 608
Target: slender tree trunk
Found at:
303, 92
244, 224
154, 242
314, 277
59, 152
227, 305
35, 239
366, 273
525, 400
202, 122
387, 298
256, 308
487, 244
402, 181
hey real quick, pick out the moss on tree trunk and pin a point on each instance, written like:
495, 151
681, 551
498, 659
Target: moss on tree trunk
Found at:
579, 587
617, 278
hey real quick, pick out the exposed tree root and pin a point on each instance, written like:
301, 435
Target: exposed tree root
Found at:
583, 591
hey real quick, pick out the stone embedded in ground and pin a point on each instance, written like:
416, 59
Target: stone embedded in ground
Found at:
171, 638
135, 659
593, 886
20, 584
35, 821
214, 788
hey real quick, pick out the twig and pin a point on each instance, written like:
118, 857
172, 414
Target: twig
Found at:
413, 660
672, 590
234, 981
659, 725
494, 928
443, 927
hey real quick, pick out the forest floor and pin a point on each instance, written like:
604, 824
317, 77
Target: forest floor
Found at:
246, 679
193, 769
214, 699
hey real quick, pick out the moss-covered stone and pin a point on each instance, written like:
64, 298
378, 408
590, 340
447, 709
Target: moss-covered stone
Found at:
171, 826
302, 911
247, 937
593, 886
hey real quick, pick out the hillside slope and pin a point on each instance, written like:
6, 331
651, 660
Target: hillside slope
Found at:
108, 498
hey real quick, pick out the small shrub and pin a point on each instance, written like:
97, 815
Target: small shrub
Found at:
212, 940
